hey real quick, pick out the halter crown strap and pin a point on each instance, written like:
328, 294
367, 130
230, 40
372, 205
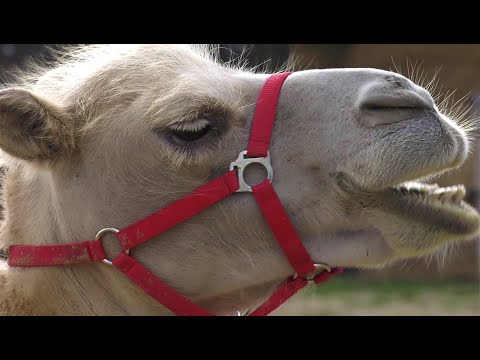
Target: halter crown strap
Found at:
188, 206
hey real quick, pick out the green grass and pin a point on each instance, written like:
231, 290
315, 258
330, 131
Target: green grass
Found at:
349, 295
396, 289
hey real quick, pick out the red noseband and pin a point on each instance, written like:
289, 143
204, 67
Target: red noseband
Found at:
190, 205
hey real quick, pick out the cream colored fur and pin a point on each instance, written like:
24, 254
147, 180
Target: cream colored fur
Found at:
88, 145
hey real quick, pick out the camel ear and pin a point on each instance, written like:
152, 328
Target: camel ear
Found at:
32, 128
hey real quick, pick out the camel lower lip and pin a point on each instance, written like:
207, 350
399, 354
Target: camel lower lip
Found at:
441, 207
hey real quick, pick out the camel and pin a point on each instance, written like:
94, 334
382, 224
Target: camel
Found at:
109, 134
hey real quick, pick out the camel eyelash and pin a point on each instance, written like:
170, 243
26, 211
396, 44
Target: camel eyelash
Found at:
191, 126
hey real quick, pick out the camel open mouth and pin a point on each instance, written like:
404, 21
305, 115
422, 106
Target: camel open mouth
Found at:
441, 207
438, 208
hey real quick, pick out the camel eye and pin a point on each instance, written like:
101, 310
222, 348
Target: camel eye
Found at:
190, 131
190, 135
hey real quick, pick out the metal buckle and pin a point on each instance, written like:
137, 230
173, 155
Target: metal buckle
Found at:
100, 235
319, 266
241, 163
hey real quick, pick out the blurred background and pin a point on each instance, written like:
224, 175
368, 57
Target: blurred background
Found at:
439, 286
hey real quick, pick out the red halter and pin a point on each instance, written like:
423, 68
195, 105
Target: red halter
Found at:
190, 205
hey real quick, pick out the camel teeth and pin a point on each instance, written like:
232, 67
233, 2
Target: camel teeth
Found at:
414, 191
452, 194
445, 196
458, 196
432, 192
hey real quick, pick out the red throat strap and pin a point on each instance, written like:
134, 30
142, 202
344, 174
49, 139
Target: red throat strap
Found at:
187, 207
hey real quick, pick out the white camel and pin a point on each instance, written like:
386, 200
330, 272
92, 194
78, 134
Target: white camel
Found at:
112, 133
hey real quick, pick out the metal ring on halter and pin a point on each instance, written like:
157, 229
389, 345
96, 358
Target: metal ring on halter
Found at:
318, 266
100, 236
241, 163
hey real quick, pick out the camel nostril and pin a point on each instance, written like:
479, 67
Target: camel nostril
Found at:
397, 100
382, 95
391, 107
380, 103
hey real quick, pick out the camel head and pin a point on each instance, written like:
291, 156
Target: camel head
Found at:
113, 133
